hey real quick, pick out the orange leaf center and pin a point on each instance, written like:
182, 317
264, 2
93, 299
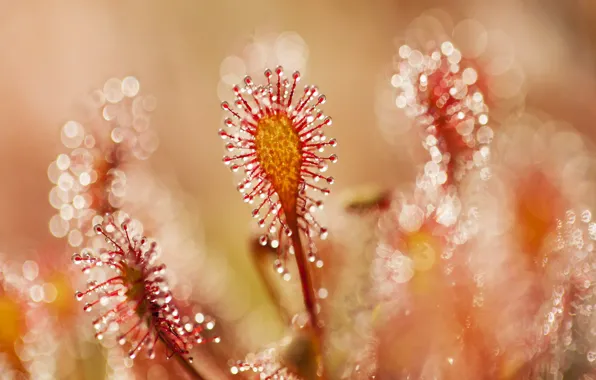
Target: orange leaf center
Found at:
279, 152
10, 320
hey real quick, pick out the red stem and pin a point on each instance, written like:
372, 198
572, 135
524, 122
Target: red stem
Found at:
308, 292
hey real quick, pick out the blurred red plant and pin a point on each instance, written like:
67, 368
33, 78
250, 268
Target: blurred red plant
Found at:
137, 298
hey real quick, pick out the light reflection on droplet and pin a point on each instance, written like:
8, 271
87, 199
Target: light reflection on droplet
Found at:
75, 238
66, 212
65, 181
110, 112
58, 226
130, 86
49, 292
54, 172
469, 76
85, 179
447, 48
415, 58
117, 135
322, 293
78, 202
404, 51
63, 162
36, 293
55, 200
112, 90
30, 270
72, 134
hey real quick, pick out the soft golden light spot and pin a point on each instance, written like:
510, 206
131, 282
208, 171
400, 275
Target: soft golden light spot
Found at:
64, 303
9, 320
278, 150
421, 249
511, 365
376, 313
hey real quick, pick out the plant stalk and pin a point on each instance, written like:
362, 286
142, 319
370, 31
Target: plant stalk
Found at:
308, 294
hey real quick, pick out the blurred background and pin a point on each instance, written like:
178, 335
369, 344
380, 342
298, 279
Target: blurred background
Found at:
537, 55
